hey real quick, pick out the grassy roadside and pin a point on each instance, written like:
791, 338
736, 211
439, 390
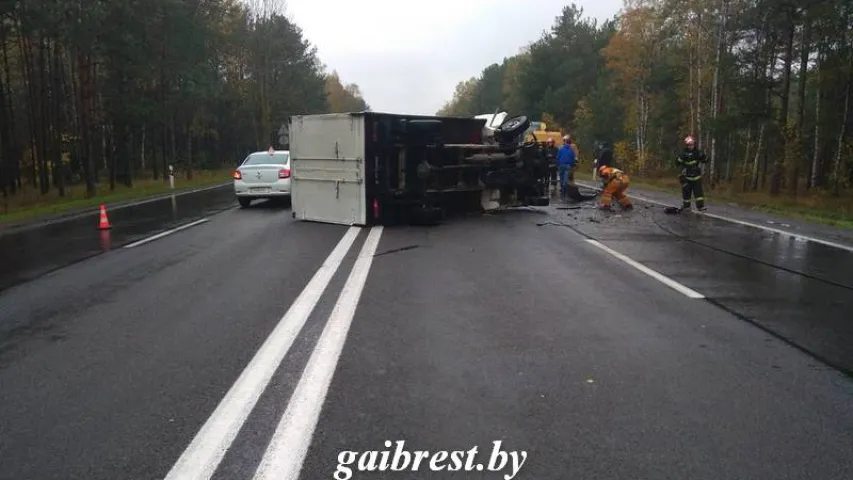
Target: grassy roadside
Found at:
819, 207
30, 205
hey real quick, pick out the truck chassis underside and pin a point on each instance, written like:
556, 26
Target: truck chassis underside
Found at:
429, 167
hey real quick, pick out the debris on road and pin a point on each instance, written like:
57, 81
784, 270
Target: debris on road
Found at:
396, 250
573, 192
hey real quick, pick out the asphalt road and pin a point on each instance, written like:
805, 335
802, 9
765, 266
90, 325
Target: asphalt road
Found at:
253, 345
28, 252
732, 211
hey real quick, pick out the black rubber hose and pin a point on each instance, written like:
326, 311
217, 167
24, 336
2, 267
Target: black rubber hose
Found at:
749, 258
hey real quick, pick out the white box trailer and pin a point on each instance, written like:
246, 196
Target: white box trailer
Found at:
367, 168
327, 156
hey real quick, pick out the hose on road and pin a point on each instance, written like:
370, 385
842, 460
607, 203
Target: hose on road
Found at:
747, 257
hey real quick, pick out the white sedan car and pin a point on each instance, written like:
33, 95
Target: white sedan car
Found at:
263, 175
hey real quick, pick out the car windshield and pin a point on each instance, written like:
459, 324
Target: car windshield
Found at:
264, 158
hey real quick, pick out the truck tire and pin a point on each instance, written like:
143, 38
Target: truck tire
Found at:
512, 128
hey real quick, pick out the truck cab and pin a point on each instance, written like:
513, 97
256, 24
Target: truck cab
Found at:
493, 122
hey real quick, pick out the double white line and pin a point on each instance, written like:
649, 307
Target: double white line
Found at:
286, 452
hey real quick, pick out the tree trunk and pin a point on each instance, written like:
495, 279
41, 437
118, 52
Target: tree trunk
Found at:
84, 68
745, 181
123, 153
698, 89
715, 87
730, 150
27, 74
71, 116
106, 130
769, 75
836, 170
794, 179
6, 153
142, 150
59, 126
805, 50
189, 153
11, 149
44, 114
690, 64
174, 142
778, 165
757, 161
815, 170
642, 120
164, 135
111, 152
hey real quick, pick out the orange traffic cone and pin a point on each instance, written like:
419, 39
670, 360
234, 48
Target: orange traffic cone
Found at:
104, 224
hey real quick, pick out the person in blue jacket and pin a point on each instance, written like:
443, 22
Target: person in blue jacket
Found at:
566, 162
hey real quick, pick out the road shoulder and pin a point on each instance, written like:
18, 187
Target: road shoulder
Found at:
75, 213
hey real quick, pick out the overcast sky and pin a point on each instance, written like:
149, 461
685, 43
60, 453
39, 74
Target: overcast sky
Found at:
408, 55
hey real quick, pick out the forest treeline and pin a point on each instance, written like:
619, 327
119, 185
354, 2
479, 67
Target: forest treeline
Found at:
96, 91
764, 85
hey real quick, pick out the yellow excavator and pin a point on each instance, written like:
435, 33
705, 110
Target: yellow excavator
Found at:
539, 133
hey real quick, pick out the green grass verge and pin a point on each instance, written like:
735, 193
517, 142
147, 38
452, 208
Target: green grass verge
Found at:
30, 205
819, 206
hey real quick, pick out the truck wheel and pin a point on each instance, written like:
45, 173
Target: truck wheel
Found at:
512, 128
244, 202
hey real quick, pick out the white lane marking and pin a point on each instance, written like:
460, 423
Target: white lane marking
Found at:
649, 200
782, 232
648, 271
203, 455
167, 232
289, 445
748, 224
161, 197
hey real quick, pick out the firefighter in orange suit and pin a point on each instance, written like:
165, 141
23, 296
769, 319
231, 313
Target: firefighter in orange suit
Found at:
615, 183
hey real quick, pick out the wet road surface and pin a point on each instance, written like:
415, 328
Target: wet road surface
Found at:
799, 290
841, 237
27, 253
511, 327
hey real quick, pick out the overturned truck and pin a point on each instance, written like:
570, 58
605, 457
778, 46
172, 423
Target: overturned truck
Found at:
372, 168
